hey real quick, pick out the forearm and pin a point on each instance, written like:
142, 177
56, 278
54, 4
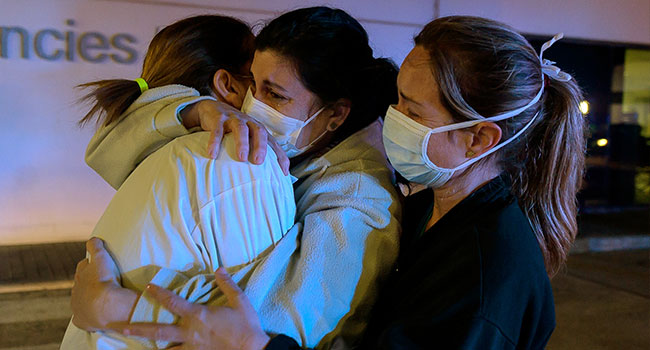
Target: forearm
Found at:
97, 306
120, 304
356, 240
284, 308
114, 304
189, 116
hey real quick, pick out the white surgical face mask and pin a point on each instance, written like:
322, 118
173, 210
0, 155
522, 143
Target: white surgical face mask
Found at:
284, 129
406, 142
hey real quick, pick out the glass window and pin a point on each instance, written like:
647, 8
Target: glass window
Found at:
615, 79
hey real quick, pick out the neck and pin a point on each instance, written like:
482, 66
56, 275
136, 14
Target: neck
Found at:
457, 189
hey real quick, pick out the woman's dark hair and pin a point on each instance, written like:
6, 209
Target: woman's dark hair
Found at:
485, 67
187, 52
329, 49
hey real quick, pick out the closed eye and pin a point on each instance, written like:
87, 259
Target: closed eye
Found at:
412, 114
276, 96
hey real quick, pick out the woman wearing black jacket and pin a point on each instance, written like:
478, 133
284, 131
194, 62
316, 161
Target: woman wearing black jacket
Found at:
494, 132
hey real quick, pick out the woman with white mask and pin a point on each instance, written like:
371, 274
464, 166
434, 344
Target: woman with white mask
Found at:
494, 132
310, 75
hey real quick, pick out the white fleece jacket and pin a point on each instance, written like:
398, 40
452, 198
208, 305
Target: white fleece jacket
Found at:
182, 213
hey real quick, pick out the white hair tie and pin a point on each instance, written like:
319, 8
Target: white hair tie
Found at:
548, 67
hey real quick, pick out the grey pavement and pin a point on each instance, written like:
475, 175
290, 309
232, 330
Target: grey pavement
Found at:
602, 302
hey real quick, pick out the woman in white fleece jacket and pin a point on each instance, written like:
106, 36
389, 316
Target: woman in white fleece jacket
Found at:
314, 66
182, 213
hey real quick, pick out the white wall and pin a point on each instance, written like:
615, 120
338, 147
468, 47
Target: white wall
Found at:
604, 20
47, 193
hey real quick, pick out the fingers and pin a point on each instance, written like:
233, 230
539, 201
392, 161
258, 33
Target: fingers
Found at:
240, 134
101, 261
95, 246
283, 160
151, 331
170, 301
216, 136
229, 288
80, 266
258, 137
97, 253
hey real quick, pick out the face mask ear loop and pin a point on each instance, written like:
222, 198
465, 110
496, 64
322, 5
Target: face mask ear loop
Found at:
470, 123
294, 136
310, 119
423, 152
497, 147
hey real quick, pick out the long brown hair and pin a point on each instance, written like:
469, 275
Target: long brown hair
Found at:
187, 52
485, 67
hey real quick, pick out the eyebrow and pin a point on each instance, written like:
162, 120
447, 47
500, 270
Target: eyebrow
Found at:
409, 99
275, 85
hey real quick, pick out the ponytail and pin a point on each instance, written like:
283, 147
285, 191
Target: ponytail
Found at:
485, 67
374, 90
379, 87
188, 52
554, 159
111, 97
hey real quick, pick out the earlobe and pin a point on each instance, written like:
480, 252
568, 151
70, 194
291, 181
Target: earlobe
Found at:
341, 110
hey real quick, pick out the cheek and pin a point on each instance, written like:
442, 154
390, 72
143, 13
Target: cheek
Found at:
243, 88
240, 91
444, 152
290, 110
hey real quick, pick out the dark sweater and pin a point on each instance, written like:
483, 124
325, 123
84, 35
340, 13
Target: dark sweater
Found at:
475, 280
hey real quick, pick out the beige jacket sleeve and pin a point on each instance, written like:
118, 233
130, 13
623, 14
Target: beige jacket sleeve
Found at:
148, 124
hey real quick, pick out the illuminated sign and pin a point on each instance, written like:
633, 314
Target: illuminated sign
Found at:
55, 45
